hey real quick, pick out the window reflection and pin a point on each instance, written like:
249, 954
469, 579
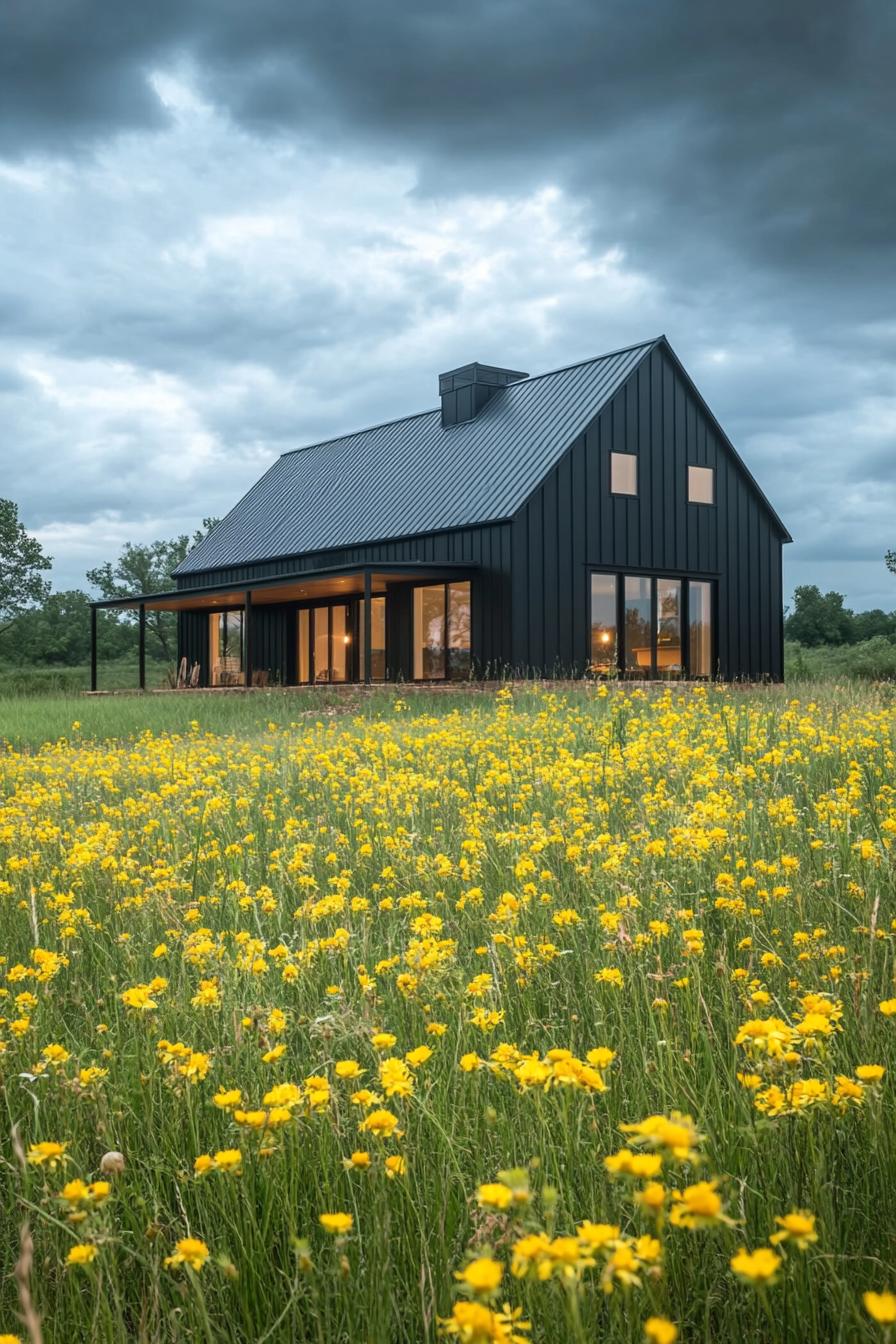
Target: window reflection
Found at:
637, 627
668, 628
603, 624
429, 633
442, 638
377, 639
340, 643
226, 648
321, 620
459, 650
700, 621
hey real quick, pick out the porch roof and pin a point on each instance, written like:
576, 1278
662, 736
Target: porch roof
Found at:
305, 585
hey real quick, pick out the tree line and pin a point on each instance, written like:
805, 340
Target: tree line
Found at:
816, 618
39, 627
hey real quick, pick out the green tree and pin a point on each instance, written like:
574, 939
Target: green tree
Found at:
890, 561
871, 624
818, 618
57, 633
148, 569
22, 562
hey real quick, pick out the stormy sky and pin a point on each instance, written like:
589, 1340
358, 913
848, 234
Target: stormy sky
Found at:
229, 229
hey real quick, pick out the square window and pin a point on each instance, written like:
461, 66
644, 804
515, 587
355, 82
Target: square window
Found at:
701, 485
623, 474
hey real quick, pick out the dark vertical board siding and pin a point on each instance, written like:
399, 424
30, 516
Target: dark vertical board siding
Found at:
661, 475
778, 587
272, 627
519, 544
573, 579
564, 587
550, 560
650, 492
535, 527
573, 522
399, 622
505, 661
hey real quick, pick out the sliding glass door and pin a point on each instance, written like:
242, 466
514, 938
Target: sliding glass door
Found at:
330, 642
324, 644
377, 638
650, 626
225, 648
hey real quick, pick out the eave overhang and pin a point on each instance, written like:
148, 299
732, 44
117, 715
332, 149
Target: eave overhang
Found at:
302, 586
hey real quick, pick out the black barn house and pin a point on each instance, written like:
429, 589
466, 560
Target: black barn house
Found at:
595, 520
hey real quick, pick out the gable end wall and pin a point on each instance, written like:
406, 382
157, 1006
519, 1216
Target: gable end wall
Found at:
572, 523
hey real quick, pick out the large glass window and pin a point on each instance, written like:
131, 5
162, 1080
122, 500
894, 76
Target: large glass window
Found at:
320, 619
429, 633
637, 645
700, 622
377, 639
442, 641
701, 485
603, 624
623, 473
666, 626
669, 661
303, 662
226, 648
340, 643
459, 646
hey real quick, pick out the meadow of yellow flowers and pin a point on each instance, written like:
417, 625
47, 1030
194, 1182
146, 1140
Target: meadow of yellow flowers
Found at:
538, 1015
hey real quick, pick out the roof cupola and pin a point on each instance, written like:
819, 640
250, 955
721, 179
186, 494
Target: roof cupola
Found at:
466, 390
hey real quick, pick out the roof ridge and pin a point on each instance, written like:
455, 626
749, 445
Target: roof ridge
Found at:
594, 359
433, 410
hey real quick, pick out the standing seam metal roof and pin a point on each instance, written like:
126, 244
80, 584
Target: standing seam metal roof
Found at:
411, 476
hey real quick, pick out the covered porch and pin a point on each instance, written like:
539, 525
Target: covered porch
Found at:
353, 623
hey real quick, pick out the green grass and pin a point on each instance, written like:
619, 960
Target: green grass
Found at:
871, 660
27, 721
398, 860
18, 682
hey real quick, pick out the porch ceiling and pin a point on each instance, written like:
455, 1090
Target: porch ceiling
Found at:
308, 586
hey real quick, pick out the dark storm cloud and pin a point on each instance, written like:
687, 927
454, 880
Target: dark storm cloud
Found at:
728, 168
74, 70
766, 123
728, 136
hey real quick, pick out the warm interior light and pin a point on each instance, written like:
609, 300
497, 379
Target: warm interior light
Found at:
605, 638
346, 639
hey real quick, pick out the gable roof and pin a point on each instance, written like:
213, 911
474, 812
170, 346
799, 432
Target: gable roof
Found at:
411, 476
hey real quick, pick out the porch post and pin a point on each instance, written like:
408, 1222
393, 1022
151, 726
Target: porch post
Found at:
247, 636
141, 646
93, 648
368, 623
